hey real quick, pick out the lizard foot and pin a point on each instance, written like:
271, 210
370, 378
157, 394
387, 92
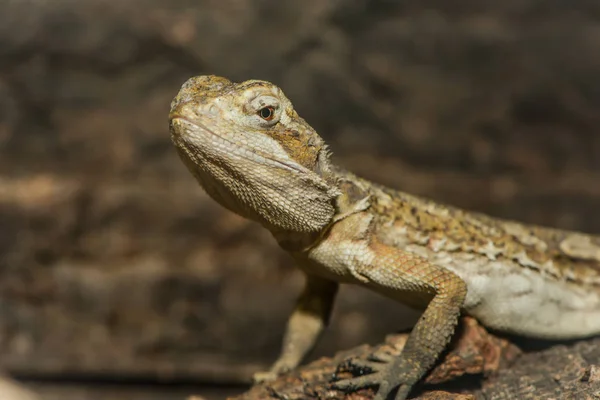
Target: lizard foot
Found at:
279, 368
382, 370
264, 376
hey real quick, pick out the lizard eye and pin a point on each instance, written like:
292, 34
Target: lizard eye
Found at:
267, 113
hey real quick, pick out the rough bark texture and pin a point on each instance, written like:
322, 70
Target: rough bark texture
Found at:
113, 263
477, 366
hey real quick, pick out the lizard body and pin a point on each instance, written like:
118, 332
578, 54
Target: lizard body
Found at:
252, 153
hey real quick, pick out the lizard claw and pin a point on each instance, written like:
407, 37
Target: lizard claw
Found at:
360, 382
385, 386
375, 379
375, 371
370, 365
382, 357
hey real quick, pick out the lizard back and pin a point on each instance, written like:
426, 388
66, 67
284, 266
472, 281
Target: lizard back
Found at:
523, 279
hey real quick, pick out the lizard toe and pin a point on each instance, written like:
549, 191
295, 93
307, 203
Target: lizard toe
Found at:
361, 366
263, 377
382, 357
361, 382
374, 372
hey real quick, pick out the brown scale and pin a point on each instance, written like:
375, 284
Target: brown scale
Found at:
473, 232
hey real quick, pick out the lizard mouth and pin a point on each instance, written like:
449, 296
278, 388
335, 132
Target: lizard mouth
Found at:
262, 156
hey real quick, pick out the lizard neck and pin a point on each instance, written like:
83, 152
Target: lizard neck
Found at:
352, 198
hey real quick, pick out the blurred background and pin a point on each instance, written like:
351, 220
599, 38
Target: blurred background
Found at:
120, 279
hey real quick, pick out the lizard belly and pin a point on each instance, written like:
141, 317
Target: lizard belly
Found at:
511, 298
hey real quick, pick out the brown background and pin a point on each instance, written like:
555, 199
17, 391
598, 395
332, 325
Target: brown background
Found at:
116, 268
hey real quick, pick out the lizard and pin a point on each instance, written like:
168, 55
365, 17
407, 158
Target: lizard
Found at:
251, 152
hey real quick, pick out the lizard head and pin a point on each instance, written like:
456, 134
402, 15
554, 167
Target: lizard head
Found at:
252, 153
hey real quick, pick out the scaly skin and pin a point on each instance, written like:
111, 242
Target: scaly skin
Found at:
253, 154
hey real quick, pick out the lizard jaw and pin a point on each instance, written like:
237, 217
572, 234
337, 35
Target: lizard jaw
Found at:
189, 133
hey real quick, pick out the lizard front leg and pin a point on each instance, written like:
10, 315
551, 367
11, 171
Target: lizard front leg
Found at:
400, 274
307, 321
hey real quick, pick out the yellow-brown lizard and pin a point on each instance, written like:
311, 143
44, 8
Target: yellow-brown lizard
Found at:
252, 153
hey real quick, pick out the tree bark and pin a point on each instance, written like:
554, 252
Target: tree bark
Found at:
477, 365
